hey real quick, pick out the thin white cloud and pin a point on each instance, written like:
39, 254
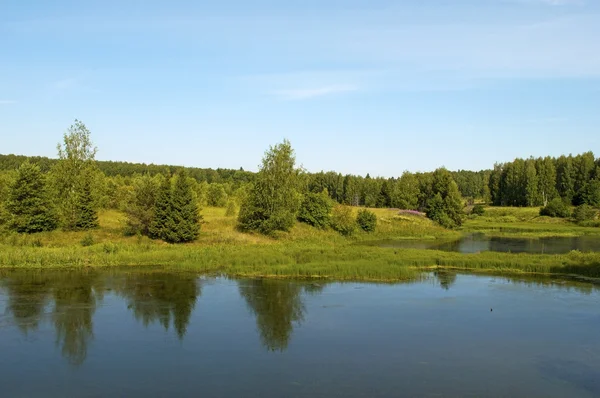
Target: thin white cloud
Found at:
7, 102
304, 94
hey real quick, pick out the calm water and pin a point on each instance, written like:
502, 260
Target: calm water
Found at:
145, 334
478, 243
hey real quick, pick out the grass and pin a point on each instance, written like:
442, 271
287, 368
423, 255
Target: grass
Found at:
524, 222
304, 252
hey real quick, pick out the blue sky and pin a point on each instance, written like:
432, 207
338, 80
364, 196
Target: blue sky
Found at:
357, 86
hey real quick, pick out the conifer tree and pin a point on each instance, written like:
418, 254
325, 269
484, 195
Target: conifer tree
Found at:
87, 216
29, 205
162, 221
185, 211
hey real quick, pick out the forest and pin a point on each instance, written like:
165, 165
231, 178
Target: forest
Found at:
163, 202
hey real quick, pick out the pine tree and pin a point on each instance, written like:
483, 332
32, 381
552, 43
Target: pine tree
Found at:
162, 220
29, 205
185, 211
87, 216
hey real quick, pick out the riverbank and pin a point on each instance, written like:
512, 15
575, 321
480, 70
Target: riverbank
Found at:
305, 252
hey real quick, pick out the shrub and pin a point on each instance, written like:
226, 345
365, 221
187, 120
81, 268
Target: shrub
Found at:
556, 208
584, 213
366, 220
315, 210
88, 240
342, 220
231, 209
478, 210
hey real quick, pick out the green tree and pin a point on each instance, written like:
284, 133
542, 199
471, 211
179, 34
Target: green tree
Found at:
216, 195
531, 184
556, 208
546, 172
584, 213
405, 192
366, 220
565, 183
163, 223
85, 202
140, 206
231, 210
591, 193
342, 220
75, 171
273, 202
584, 167
315, 209
29, 205
185, 210
446, 205
176, 217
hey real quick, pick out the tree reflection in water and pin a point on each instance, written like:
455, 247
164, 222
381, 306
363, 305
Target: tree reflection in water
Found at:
277, 306
166, 298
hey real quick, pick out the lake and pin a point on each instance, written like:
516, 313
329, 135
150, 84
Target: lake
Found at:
152, 333
476, 243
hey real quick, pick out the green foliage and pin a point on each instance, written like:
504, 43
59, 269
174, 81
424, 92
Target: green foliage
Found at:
216, 195
405, 193
556, 208
342, 220
140, 207
478, 210
274, 200
186, 212
591, 193
88, 240
162, 220
315, 210
76, 178
29, 205
231, 210
176, 216
86, 214
366, 220
584, 213
446, 205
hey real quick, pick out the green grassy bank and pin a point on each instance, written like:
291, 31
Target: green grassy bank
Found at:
305, 252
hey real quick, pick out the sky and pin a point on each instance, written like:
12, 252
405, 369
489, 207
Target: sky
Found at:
357, 86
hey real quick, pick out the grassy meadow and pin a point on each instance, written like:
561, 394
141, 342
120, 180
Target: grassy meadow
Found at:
304, 252
524, 222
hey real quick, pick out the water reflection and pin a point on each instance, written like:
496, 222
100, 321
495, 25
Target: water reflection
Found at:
75, 299
446, 279
277, 306
68, 302
27, 298
166, 298
476, 243
72, 298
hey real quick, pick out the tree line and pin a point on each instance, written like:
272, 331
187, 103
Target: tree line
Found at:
536, 182
164, 202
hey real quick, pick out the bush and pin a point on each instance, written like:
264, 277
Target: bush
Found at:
88, 240
315, 210
584, 213
478, 210
556, 208
342, 220
366, 220
231, 209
